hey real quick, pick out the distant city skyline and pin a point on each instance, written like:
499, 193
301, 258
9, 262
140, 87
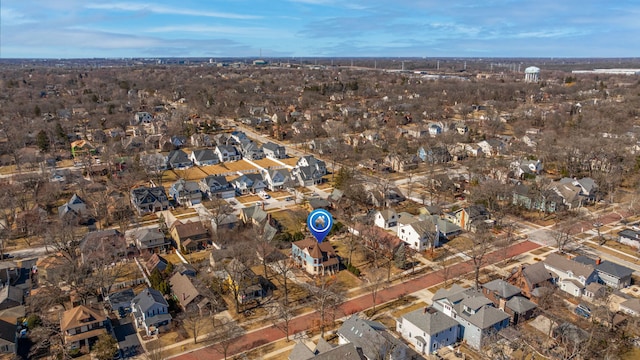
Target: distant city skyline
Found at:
318, 28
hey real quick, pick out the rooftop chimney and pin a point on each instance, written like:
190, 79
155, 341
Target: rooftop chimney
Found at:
598, 261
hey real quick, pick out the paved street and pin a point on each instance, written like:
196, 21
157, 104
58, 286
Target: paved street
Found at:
271, 333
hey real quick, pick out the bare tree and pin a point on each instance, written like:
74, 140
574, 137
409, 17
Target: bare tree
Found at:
284, 269
194, 323
326, 295
375, 280
226, 331
283, 315
481, 244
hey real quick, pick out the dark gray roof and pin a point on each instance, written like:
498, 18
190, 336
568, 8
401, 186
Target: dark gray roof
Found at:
520, 304
124, 296
502, 288
372, 338
177, 156
630, 234
149, 195
487, 317
342, 352
536, 274
204, 155
614, 269
430, 320
301, 352
147, 298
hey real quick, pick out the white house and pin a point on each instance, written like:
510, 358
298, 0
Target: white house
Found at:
428, 329
227, 153
570, 276
419, 234
276, 179
150, 311
386, 218
204, 157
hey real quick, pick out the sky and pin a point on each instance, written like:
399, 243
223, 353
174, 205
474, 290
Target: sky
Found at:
318, 28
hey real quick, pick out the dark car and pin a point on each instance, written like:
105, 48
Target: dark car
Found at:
583, 310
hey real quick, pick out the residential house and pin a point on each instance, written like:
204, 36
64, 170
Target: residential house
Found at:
103, 247
11, 296
186, 269
316, 164
435, 128
227, 153
526, 168
631, 307
200, 140
325, 351
214, 186
274, 151
51, 269
575, 192
190, 236
150, 311
318, 203
186, 193
471, 218
204, 157
428, 329
239, 136
246, 284
373, 339
547, 200
248, 183
82, 325
477, 316
74, 210
178, 141
532, 280
492, 147
254, 215
156, 262
434, 155
155, 162
307, 175
570, 276
277, 179
150, 240
81, 149
401, 163
609, 273
506, 297
188, 296
629, 237
149, 199
418, 234
178, 159
141, 118
315, 258
594, 291
8, 337
250, 150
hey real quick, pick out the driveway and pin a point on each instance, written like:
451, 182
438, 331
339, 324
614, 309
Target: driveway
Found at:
127, 337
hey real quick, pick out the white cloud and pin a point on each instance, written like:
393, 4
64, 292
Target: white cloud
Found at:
256, 32
9, 17
160, 9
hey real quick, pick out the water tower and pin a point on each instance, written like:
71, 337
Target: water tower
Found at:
532, 74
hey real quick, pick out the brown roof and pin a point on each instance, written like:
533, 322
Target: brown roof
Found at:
190, 229
311, 244
80, 315
183, 289
565, 265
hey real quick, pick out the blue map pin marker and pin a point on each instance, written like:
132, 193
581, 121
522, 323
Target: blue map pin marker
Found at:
320, 223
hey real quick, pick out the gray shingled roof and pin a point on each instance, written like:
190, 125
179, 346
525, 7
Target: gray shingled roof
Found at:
520, 304
487, 317
502, 288
430, 320
563, 264
614, 269
147, 298
372, 338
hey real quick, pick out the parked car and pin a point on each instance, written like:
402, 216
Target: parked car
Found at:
583, 310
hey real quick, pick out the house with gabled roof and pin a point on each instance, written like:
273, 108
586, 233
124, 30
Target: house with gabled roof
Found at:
150, 240
73, 210
151, 311
188, 296
149, 199
310, 160
277, 179
315, 258
248, 183
629, 237
204, 157
419, 234
631, 307
609, 273
250, 150
506, 297
532, 280
215, 186
186, 193
11, 296
385, 218
81, 148
227, 153
373, 339
470, 218
325, 351
103, 247
274, 151
156, 262
570, 276
246, 283
253, 215
190, 235
178, 159
82, 325
307, 175
477, 316
428, 329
